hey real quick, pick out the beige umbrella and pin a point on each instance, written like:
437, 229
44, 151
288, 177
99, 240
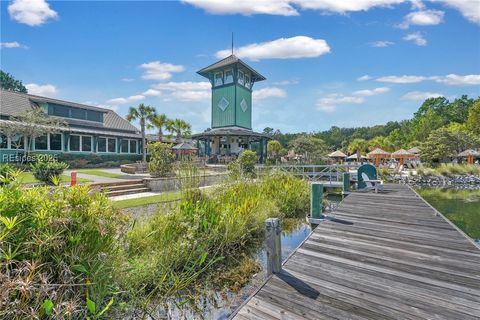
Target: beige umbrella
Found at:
402, 154
470, 153
378, 154
337, 155
414, 150
354, 157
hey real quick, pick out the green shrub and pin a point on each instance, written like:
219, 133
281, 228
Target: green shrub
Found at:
161, 159
5, 171
244, 166
45, 171
62, 247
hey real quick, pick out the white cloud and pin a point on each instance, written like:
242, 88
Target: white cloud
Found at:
130, 99
456, 80
11, 45
127, 79
31, 12
151, 93
417, 5
420, 96
422, 18
245, 7
364, 78
402, 79
381, 44
330, 102
100, 105
369, 93
187, 91
470, 9
283, 48
41, 89
417, 38
270, 92
450, 79
287, 7
286, 82
157, 70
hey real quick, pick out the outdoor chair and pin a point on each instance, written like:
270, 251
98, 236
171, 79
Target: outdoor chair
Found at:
376, 185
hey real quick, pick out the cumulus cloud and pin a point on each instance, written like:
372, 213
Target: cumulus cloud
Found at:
187, 91
456, 80
31, 12
286, 82
101, 105
283, 48
364, 78
330, 102
420, 95
48, 90
151, 93
270, 92
381, 44
416, 38
372, 92
130, 99
450, 79
157, 70
422, 18
287, 7
127, 79
11, 45
470, 9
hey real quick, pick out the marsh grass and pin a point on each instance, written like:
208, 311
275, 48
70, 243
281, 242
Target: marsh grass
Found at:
449, 170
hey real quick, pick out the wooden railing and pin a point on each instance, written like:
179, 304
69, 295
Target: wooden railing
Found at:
331, 173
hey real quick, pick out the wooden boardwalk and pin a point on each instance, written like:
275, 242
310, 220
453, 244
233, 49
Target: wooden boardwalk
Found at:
383, 256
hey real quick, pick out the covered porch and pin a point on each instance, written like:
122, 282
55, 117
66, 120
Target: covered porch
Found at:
223, 145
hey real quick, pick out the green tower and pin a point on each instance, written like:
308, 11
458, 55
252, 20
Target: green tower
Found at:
232, 81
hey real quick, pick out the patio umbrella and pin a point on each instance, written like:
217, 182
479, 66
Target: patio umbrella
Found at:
354, 157
470, 153
414, 150
378, 154
402, 154
184, 148
338, 155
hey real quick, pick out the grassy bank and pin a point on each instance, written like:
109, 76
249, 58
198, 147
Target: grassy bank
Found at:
70, 253
163, 197
28, 178
100, 173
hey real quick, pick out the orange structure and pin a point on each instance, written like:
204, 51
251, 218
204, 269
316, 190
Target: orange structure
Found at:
402, 154
378, 154
469, 154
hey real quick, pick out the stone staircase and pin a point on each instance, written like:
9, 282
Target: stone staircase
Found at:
121, 188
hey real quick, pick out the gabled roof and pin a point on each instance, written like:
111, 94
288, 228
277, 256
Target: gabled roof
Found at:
337, 154
378, 152
231, 59
469, 152
14, 103
184, 146
402, 153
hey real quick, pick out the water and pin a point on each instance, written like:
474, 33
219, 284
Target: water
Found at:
462, 207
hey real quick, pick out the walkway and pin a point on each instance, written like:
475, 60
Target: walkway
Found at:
382, 256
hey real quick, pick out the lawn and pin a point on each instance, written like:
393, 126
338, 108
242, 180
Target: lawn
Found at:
100, 173
163, 197
27, 177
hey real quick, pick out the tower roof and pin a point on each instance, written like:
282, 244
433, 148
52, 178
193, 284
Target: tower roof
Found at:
230, 60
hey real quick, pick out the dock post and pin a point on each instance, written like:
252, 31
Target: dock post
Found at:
346, 183
316, 198
274, 246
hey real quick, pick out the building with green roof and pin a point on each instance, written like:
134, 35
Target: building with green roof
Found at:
231, 132
91, 132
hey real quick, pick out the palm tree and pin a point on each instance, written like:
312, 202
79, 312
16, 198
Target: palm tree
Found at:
144, 114
358, 146
179, 127
160, 122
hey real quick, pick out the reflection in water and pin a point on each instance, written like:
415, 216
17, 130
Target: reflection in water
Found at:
211, 304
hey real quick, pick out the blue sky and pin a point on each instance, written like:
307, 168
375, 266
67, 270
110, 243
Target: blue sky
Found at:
344, 63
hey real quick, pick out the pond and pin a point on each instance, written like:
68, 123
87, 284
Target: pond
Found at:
461, 206
211, 304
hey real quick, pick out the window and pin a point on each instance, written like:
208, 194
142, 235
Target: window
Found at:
94, 116
17, 142
218, 79
41, 143
86, 143
112, 145
102, 145
58, 110
133, 146
74, 143
124, 146
247, 81
241, 79
228, 76
3, 141
78, 113
55, 141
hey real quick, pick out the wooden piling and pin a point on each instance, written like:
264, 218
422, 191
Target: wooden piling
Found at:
274, 246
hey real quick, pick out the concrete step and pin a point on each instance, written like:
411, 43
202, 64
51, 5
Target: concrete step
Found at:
119, 183
123, 187
128, 191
